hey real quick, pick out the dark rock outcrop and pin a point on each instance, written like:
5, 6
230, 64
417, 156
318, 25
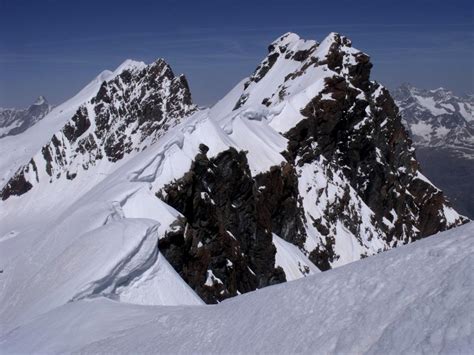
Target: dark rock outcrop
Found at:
224, 246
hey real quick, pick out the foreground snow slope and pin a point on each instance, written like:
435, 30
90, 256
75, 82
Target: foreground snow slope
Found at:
416, 298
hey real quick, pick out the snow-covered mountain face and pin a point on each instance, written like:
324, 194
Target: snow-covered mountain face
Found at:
438, 118
15, 121
128, 113
304, 166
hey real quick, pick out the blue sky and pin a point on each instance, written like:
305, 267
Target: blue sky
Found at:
54, 48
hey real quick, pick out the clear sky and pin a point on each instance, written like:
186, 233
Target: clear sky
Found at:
55, 47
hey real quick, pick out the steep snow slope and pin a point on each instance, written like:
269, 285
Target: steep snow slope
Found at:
85, 236
414, 299
292, 260
73, 248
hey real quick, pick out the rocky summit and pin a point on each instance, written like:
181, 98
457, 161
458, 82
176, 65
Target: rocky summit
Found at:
349, 185
127, 113
302, 167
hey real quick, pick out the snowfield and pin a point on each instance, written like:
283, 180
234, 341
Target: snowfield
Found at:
414, 299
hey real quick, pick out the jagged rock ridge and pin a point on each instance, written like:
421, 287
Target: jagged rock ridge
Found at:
128, 113
351, 186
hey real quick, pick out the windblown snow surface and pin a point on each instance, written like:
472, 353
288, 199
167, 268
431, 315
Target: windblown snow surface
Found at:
413, 299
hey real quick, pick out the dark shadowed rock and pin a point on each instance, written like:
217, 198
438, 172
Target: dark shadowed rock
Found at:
227, 231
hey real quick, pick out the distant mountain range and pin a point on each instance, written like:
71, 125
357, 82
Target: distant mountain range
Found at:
15, 121
438, 118
441, 126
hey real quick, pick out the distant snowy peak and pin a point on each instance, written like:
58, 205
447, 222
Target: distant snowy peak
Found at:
40, 100
132, 109
438, 118
15, 121
438, 101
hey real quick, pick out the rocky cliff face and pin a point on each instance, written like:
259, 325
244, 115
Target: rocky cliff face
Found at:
16, 121
224, 246
305, 165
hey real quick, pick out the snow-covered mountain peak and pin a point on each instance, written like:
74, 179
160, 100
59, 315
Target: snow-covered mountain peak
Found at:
290, 41
40, 100
289, 37
129, 111
296, 71
344, 144
129, 64
441, 94
336, 38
